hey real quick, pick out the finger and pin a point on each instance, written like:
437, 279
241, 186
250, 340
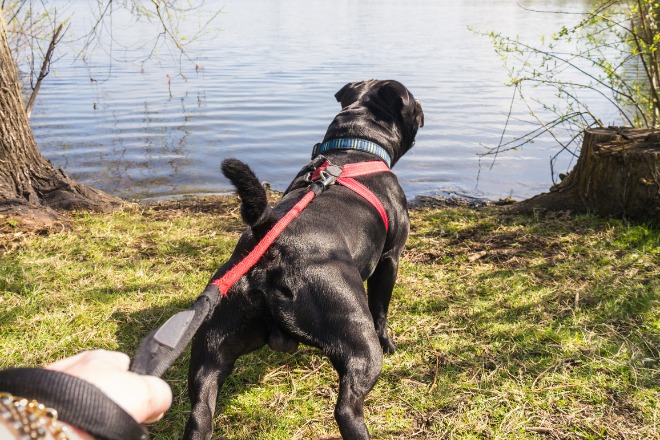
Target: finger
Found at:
66, 363
160, 398
115, 358
106, 358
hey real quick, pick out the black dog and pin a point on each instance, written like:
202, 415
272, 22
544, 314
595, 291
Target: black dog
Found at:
308, 287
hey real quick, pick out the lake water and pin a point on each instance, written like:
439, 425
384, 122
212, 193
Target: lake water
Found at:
261, 89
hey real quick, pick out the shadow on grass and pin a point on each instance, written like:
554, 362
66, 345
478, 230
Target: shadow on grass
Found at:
552, 307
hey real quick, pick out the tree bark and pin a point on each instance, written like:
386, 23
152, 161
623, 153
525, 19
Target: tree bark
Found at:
29, 184
617, 174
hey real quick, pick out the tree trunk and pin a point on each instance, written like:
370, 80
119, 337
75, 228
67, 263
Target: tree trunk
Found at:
617, 174
29, 184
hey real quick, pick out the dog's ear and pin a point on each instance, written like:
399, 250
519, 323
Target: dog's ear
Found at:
419, 114
351, 92
398, 98
403, 101
391, 96
396, 101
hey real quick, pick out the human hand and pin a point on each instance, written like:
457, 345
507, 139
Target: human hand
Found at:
145, 398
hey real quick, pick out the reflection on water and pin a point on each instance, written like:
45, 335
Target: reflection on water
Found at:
262, 90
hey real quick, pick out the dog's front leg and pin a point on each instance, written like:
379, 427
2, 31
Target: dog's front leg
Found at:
379, 288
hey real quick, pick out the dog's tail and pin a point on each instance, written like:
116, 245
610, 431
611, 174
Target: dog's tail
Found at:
254, 202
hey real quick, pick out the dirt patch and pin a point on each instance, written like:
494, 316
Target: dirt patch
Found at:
420, 202
504, 247
228, 204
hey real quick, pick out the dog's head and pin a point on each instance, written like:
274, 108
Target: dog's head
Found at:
390, 114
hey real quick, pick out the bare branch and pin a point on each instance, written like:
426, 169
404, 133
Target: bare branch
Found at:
44, 69
166, 28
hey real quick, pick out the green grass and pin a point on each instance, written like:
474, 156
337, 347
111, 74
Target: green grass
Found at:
508, 327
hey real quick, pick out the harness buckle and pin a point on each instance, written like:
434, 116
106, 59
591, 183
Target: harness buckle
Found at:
326, 177
329, 175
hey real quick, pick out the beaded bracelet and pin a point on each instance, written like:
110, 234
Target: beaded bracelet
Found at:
31, 419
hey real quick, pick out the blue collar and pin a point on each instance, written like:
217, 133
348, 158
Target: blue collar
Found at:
353, 144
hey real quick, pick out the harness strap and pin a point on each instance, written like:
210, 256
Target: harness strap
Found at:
368, 195
351, 170
356, 169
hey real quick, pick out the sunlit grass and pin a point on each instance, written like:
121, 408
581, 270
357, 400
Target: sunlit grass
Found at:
507, 327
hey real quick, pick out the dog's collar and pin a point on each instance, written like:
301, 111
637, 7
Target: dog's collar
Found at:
353, 144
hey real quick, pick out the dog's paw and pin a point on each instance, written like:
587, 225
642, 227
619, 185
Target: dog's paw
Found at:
388, 345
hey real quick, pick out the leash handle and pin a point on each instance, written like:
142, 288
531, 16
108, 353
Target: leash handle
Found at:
159, 349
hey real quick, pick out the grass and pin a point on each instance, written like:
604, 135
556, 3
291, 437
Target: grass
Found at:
508, 327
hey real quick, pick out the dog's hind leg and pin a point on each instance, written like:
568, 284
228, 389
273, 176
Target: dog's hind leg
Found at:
358, 364
212, 360
204, 385
350, 341
379, 287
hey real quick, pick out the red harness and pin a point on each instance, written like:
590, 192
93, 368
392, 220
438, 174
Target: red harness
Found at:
326, 175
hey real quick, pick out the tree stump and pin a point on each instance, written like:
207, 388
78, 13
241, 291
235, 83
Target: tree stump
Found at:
617, 175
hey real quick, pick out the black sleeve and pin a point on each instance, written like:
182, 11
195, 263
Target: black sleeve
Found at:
76, 401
